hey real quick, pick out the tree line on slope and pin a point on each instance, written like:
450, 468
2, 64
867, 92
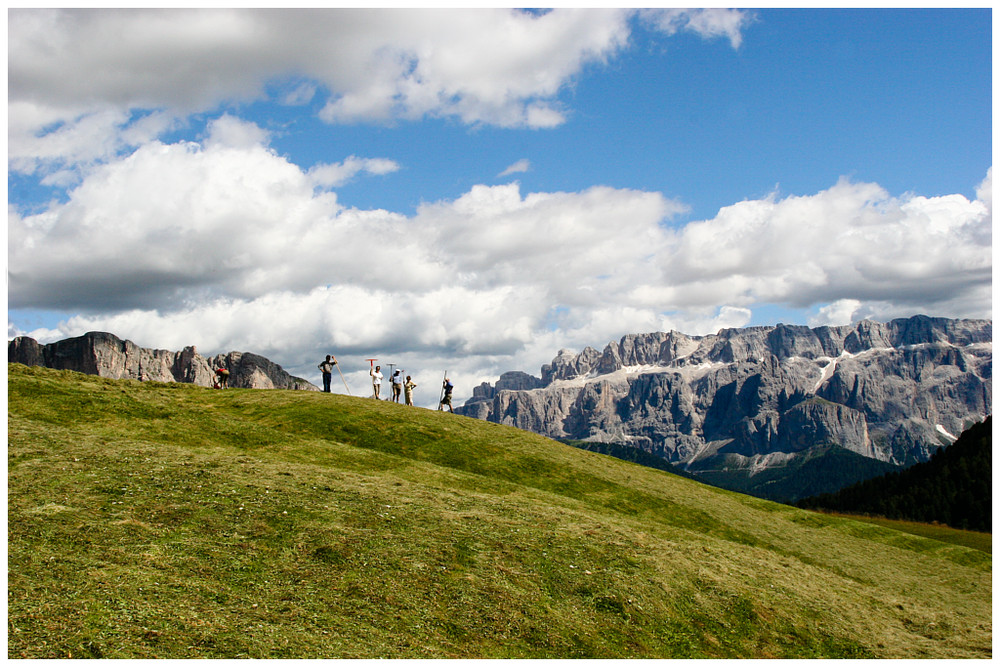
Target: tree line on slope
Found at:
954, 487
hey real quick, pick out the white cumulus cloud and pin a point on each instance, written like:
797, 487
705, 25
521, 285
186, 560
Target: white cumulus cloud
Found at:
852, 241
84, 83
227, 245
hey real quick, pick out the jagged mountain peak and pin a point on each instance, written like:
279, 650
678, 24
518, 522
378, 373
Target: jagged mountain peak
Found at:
751, 344
755, 398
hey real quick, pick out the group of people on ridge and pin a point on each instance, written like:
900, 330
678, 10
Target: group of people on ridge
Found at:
398, 385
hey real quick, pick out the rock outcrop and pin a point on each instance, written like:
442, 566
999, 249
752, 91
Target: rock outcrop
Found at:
104, 354
749, 399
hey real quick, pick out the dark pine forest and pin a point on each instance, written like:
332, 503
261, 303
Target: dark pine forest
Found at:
954, 487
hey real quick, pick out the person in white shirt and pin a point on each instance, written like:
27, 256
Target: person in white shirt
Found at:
376, 380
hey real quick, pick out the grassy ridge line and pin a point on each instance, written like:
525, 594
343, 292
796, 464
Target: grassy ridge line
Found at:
173, 521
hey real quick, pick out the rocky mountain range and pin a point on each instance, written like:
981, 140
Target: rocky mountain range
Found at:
753, 408
104, 354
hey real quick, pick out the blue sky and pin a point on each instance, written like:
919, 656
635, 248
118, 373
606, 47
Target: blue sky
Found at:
475, 190
897, 97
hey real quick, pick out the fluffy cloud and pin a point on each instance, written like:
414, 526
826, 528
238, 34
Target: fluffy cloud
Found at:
231, 132
39, 135
560, 239
175, 223
852, 241
227, 245
79, 80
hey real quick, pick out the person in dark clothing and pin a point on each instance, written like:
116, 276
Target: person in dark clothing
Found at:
327, 368
446, 399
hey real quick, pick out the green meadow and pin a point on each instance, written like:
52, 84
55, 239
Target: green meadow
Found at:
172, 521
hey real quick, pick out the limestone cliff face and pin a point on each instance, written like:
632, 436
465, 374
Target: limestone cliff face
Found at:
513, 380
104, 354
891, 391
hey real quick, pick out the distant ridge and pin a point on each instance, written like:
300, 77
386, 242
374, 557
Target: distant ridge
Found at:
107, 355
763, 408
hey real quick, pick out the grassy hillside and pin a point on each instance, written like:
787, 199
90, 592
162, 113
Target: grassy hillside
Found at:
174, 521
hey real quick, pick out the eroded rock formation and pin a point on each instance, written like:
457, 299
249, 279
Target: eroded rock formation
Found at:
104, 354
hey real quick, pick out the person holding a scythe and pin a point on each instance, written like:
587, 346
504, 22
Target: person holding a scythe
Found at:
446, 397
376, 374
